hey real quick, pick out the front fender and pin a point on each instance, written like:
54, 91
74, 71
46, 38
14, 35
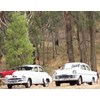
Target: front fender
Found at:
8, 76
49, 77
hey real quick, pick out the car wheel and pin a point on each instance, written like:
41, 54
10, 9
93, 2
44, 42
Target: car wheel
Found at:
28, 84
57, 83
79, 82
9, 86
93, 81
72, 83
1, 75
46, 82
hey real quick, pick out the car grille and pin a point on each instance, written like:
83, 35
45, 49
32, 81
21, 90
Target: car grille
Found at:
64, 76
14, 78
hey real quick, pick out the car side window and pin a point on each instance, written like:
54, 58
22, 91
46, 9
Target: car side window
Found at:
35, 69
83, 67
87, 68
23, 68
41, 69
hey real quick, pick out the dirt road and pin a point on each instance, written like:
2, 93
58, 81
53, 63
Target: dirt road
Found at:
63, 86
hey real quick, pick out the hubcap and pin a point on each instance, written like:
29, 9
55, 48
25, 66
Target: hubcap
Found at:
46, 83
28, 83
80, 80
93, 81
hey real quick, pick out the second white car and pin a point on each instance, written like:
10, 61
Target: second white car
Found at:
75, 73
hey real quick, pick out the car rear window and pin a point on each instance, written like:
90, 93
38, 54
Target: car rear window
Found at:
24, 68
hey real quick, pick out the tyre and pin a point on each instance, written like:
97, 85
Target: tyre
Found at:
9, 86
28, 84
57, 83
93, 81
79, 82
1, 75
46, 82
72, 83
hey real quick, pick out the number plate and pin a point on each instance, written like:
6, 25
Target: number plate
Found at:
13, 81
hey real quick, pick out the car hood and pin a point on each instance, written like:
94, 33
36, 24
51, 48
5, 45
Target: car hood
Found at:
20, 73
68, 71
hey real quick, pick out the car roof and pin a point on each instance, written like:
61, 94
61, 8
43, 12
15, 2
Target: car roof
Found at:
30, 65
75, 63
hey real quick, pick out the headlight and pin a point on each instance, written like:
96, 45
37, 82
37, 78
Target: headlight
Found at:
55, 74
6, 79
74, 72
23, 77
14, 76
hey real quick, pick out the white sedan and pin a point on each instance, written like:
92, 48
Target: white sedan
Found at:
75, 73
28, 75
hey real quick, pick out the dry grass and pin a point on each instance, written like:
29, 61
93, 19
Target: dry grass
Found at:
2, 82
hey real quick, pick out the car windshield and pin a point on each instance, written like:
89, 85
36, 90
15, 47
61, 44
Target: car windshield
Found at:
69, 66
75, 65
24, 68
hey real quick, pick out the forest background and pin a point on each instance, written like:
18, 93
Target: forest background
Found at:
49, 38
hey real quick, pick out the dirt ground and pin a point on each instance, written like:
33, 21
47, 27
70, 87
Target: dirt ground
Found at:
52, 86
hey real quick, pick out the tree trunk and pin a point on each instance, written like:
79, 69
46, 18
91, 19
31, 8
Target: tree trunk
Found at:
78, 37
92, 41
3, 28
53, 47
81, 37
37, 53
48, 40
43, 52
68, 34
83, 46
56, 42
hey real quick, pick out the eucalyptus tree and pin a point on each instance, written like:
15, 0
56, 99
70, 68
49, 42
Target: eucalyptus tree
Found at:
92, 40
44, 27
3, 27
55, 24
82, 36
37, 27
69, 43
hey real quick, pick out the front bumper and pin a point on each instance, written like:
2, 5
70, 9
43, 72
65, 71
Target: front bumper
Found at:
15, 81
65, 78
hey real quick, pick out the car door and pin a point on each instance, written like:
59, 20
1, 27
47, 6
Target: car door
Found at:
41, 73
82, 72
35, 75
89, 73
86, 77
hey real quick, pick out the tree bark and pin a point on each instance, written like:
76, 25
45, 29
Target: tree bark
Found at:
78, 37
81, 37
43, 44
68, 34
53, 47
92, 41
83, 46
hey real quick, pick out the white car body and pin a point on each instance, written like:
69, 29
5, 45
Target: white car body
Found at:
28, 75
75, 73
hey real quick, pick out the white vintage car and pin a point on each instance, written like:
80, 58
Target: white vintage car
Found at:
28, 75
75, 73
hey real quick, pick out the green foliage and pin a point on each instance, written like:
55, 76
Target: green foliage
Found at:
48, 21
18, 46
